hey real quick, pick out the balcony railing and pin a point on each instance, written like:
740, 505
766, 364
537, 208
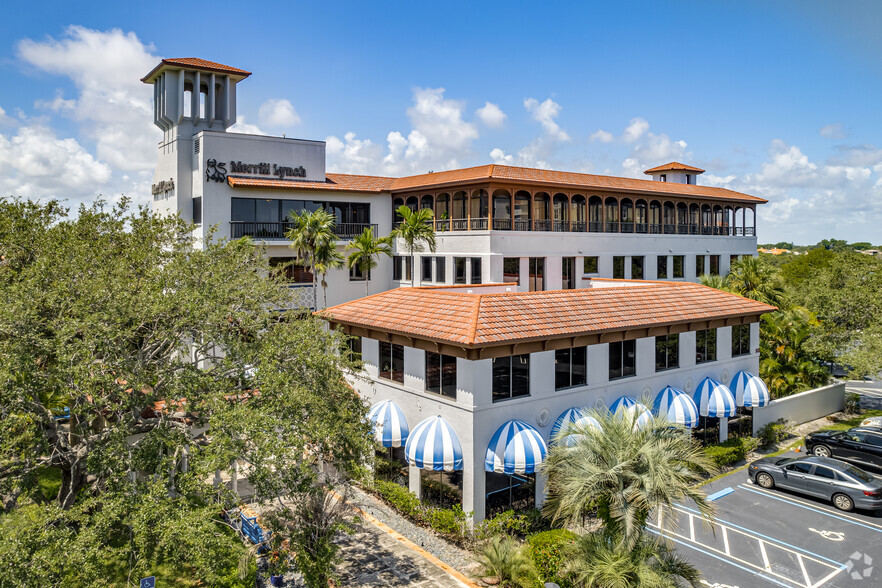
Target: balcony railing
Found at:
276, 231
523, 224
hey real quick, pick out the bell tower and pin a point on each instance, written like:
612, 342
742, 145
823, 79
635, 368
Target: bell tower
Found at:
189, 95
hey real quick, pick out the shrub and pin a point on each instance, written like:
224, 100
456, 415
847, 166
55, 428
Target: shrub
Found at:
548, 551
728, 452
510, 562
436, 491
852, 403
772, 433
400, 499
448, 521
509, 522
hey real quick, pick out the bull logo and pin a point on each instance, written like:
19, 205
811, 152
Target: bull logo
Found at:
215, 171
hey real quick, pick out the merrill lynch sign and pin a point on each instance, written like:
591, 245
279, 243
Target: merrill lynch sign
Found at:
266, 169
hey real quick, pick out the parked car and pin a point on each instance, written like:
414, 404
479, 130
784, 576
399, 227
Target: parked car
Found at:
874, 421
845, 485
860, 444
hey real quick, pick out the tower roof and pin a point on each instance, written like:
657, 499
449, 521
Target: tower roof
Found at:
674, 166
195, 63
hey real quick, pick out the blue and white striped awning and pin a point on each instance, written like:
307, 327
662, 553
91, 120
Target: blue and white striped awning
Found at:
677, 406
516, 448
749, 390
714, 399
390, 426
433, 445
629, 408
571, 417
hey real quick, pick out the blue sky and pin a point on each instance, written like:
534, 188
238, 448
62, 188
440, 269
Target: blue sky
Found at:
777, 99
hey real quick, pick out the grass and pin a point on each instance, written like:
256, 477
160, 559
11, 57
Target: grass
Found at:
854, 421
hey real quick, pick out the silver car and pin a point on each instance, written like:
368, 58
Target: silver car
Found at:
845, 485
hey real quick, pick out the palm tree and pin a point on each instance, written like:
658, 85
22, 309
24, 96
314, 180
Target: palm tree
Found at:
624, 471
509, 561
326, 258
414, 229
751, 278
786, 364
311, 231
366, 251
596, 560
715, 281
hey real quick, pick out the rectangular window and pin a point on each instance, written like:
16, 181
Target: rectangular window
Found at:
476, 270
396, 267
266, 210
356, 274
619, 267
511, 270
459, 270
733, 259
392, 362
662, 267
589, 265
637, 268
441, 374
440, 275
511, 377
679, 262
715, 265
291, 270
622, 359
197, 210
537, 274
408, 268
354, 344
243, 210
667, 352
426, 271
688, 178
663, 177
740, 340
699, 265
570, 367
568, 273
705, 346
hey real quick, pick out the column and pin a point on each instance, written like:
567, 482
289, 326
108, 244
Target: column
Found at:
541, 489
414, 481
474, 486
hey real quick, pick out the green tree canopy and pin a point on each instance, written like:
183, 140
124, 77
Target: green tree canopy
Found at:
414, 230
136, 365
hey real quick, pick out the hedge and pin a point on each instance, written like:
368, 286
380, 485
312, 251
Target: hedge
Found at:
547, 549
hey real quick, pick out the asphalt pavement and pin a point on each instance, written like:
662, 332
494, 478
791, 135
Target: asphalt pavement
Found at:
777, 538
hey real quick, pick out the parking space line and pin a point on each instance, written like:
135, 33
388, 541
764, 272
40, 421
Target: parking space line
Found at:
764, 569
816, 508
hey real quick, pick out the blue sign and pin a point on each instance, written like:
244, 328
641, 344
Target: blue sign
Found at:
148, 582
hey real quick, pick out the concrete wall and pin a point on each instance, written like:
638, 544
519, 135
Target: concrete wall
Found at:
802, 407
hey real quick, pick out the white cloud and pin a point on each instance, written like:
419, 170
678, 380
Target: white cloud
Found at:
545, 113
635, 130
788, 167
499, 156
113, 107
247, 128
353, 156
602, 136
832, 131
6, 120
35, 163
491, 115
278, 113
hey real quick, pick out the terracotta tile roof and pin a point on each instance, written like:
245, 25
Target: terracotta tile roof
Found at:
570, 180
196, 63
335, 182
674, 166
475, 320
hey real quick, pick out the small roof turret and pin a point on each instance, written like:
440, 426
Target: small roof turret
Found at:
674, 166
194, 63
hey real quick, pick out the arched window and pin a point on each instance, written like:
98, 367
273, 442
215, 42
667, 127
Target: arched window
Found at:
728, 221
655, 224
641, 218
670, 221
427, 201
612, 215
460, 212
203, 100
578, 220
560, 206
396, 204
627, 215
595, 214
412, 203
541, 203
442, 212
682, 218
188, 99
694, 219
478, 208
502, 210
706, 220
522, 211
718, 220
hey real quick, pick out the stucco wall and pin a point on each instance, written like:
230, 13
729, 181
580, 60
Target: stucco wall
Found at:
802, 407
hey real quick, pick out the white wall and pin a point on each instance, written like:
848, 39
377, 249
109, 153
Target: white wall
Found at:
802, 407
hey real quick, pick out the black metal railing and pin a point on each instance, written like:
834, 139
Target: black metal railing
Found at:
522, 224
442, 224
501, 224
348, 231
542, 225
277, 231
478, 224
459, 224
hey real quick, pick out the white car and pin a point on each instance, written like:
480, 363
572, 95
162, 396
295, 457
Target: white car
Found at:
875, 421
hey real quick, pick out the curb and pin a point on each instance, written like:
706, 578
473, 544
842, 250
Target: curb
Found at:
450, 571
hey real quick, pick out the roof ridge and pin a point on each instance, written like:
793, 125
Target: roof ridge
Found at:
474, 320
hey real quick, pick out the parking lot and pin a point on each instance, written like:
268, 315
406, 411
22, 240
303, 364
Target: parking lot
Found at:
776, 538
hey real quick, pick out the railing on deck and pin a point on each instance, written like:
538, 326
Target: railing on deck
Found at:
276, 231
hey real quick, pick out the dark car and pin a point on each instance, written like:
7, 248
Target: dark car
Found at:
823, 477
860, 444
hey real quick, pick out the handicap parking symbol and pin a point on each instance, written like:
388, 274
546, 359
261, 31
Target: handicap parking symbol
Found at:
148, 582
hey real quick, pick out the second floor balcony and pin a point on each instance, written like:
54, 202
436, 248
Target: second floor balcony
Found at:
277, 231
